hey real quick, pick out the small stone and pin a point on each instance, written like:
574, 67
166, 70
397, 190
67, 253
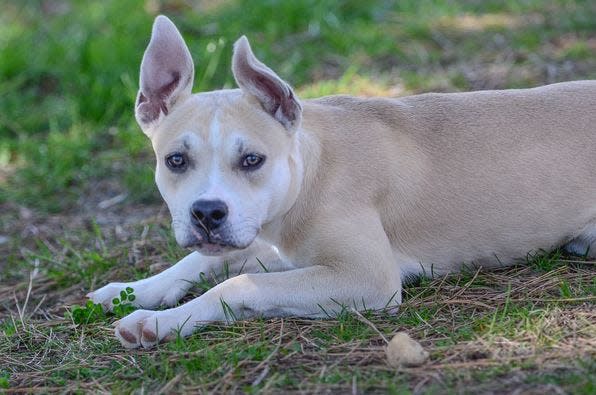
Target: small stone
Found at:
402, 350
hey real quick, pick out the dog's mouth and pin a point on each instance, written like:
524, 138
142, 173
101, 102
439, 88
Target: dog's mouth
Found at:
212, 243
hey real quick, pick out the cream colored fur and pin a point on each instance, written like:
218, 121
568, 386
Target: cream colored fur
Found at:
356, 194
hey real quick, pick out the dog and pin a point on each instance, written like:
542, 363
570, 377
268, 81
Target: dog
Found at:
319, 204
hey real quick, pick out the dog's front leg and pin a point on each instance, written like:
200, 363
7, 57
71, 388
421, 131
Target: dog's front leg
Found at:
366, 278
167, 287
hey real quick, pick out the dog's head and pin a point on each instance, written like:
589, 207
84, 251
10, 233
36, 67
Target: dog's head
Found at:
227, 161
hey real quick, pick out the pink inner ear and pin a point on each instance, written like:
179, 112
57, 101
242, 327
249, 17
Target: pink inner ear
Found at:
276, 98
149, 107
290, 108
167, 73
273, 93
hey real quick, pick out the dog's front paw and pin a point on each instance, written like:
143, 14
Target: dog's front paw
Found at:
106, 295
149, 293
147, 328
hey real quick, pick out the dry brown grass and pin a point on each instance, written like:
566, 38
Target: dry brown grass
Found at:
525, 329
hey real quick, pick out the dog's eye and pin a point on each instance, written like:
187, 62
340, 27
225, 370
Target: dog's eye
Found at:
252, 161
176, 162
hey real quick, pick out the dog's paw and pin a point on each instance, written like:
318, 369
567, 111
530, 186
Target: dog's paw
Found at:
149, 293
105, 295
144, 328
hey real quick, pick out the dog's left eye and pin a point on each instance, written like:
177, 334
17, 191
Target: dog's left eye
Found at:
252, 161
176, 162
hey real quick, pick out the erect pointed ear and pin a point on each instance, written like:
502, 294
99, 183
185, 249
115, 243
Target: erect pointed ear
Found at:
275, 95
167, 74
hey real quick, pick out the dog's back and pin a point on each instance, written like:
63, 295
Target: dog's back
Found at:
481, 177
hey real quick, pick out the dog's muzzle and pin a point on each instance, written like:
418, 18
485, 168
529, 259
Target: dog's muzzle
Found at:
208, 219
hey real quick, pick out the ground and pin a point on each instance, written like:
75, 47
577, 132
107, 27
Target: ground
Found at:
78, 207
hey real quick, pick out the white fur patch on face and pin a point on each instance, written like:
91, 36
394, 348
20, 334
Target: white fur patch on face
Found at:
216, 137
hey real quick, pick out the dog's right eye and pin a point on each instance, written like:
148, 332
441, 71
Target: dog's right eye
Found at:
176, 162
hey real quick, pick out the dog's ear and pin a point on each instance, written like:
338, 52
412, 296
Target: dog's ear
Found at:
167, 74
274, 94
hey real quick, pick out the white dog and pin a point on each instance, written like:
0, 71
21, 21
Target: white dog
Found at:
341, 198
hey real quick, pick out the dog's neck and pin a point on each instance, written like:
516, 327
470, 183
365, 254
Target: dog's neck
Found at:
304, 165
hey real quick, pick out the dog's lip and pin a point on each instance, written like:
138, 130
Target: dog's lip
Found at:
212, 249
204, 244
202, 241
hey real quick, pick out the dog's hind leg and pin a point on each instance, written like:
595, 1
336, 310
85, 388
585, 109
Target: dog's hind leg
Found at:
585, 243
167, 287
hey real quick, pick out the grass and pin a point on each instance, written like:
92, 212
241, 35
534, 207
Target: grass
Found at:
509, 328
79, 208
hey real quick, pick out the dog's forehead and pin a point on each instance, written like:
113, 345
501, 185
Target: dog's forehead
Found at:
217, 117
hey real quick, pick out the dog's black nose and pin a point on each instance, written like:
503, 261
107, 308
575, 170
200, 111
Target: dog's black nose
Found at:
208, 214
